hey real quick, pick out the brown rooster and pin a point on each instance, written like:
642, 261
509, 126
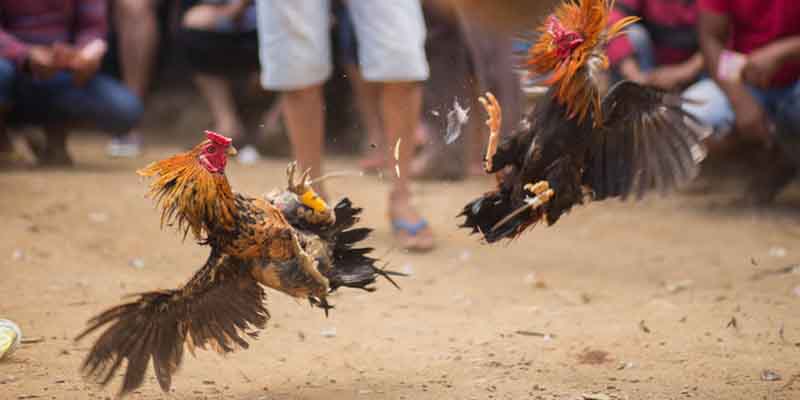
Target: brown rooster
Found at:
577, 142
290, 241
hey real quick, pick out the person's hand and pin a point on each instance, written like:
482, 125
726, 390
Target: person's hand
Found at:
669, 77
629, 69
87, 61
63, 55
762, 64
41, 62
236, 9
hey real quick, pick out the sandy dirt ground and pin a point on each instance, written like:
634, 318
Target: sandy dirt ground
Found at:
674, 298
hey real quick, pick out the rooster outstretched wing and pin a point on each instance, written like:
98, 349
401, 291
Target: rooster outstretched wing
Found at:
220, 306
647, 143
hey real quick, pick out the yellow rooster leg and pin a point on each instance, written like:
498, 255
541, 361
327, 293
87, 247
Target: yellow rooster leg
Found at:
542, 194
492, 107
309, 265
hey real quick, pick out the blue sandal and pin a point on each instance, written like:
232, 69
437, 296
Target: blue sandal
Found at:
412, 230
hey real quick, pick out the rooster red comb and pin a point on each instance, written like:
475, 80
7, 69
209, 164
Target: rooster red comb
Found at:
218, 139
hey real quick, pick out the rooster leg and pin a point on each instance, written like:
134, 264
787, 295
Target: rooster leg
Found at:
309, 266
542, 194
492, 107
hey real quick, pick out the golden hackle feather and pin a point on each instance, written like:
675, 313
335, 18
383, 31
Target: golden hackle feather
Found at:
190, 195
571, 75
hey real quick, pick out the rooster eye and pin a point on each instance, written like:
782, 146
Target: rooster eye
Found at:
211, 149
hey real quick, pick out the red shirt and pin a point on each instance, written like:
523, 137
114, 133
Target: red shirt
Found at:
44, 22
756, 23
671, 24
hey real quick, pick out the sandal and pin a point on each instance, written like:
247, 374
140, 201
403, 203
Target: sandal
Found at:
408, 233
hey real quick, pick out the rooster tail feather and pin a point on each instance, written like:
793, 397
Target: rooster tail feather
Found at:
484, 213
352, 266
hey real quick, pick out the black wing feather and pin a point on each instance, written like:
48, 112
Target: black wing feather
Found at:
647, 143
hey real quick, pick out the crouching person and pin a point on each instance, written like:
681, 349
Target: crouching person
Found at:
50, 54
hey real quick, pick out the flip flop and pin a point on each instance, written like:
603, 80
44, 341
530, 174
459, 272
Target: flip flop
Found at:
412, 230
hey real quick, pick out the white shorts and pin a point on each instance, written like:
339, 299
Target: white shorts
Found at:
295, 44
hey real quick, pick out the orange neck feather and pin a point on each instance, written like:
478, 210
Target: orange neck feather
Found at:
188, 194
582, 25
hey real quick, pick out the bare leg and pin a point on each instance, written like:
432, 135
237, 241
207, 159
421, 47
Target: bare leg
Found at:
306, 124
368, 101
217, 92
401, 104
272, 117
138, 38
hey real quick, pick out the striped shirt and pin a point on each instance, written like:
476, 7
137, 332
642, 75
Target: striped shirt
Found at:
43, 22
671, 24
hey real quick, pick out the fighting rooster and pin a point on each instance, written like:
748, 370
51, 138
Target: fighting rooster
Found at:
290, 241
577, 143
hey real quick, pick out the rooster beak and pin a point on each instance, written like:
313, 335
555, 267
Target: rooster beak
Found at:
232, 151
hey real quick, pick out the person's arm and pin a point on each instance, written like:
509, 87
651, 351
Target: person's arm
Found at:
674, 76
620, 51
13, 49
714, 31
762, 64
36, 60
92, 27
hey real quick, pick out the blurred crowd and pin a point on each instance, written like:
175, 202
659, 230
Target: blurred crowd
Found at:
406, 62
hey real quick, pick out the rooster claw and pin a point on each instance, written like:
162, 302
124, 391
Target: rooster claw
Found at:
298, 186
321, 303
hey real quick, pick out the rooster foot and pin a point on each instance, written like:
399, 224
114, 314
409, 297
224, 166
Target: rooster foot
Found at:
298, 186
492, 107
541, 194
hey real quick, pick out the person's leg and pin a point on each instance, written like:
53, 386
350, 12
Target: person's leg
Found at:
35, 104
365, 94
367, 98
8, 75
783, 159
492, 58
217, 93
103, 101
295, 58
138, 39
712, 108
215, 89
451, 78
388, 32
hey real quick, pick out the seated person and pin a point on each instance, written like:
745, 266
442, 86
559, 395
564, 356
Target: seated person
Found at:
50, 52
761, 98
662, 49
220, 41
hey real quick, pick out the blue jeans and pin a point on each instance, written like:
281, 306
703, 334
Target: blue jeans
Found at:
103, 101
781, 104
